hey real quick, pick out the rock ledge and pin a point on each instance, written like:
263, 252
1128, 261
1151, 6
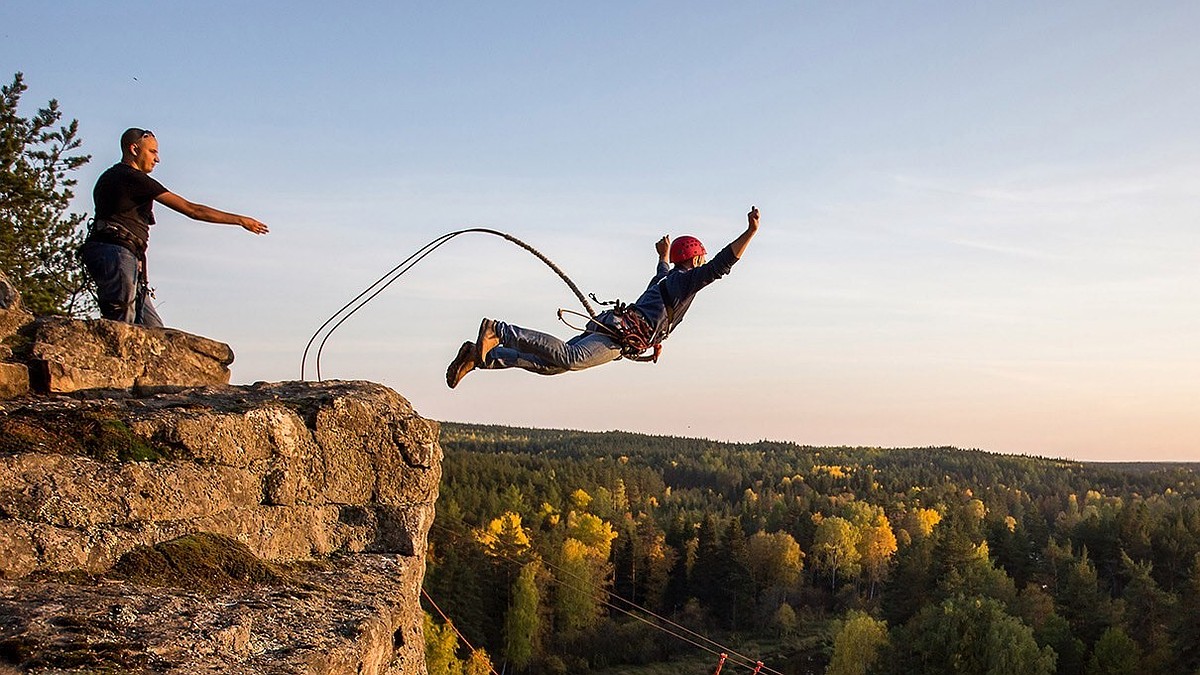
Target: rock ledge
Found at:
343, 474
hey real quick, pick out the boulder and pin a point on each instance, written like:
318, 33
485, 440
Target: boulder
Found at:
70, 355
14, 380
12, 320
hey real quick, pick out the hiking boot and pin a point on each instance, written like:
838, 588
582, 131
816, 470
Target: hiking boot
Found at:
487, 340
463, 363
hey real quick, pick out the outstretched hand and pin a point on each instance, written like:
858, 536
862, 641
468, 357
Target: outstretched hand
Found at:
663, 246
752, 218
252, 225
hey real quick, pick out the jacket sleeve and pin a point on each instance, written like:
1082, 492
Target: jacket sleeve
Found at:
714, 269
659, 273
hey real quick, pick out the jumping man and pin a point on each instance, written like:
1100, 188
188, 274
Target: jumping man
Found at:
660, 308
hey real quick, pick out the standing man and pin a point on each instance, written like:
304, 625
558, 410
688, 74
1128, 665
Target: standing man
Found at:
649, 320
114, 252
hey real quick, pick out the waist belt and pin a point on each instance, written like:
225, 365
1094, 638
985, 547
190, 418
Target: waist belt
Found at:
110, 232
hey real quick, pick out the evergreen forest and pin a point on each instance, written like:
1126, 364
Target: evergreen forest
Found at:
567, 552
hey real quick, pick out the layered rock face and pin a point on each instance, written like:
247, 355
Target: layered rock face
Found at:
70, 355
61, 355
341, 474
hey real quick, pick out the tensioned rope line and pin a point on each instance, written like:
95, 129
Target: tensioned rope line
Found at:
661, 618
451, 624
741, 660
370, 292
720, 650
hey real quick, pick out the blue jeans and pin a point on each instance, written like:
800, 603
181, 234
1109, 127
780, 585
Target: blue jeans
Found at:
115, 271
547, 355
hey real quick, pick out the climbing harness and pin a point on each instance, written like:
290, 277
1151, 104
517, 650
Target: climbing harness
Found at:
631, 330
635, 338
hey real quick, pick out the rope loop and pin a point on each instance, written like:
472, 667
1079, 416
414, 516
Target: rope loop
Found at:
371, 292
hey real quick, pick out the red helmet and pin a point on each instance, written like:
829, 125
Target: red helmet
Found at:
685, 248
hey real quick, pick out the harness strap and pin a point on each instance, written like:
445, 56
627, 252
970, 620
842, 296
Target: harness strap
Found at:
635, 335
112, 232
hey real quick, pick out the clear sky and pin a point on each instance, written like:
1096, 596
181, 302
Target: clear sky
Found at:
979, 220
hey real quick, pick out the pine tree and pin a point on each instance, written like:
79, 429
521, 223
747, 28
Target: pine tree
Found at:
1116, 654
38, 238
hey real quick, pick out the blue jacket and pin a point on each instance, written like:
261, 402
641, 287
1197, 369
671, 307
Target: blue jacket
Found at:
670, 292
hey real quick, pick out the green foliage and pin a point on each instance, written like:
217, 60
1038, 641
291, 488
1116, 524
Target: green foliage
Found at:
774, 560
1149, 612
440, 645
522, 623
785, 620
1115, 654
1089, 609
580, 584
775, 539
38, 238
1186, 626
836, 548
969, 635
857, 645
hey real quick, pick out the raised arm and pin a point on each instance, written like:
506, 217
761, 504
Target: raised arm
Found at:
738, 246
208, 214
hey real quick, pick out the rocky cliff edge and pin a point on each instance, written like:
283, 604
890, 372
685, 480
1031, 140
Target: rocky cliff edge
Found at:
271, 528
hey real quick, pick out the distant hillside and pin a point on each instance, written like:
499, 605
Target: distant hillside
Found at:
923, 466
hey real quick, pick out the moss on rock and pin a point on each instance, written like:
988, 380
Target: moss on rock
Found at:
97, 435
202, 561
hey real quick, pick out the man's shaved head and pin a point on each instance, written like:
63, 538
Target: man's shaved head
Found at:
139, 149
133, 135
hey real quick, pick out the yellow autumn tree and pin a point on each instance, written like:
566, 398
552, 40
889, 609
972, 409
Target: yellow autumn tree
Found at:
580, 499
441, 645
504, 536
592, 531
581, 574
835, 547
876, 546
919, 522
774, 560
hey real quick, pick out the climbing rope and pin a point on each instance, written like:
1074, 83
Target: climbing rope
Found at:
665, 625
448, 622
369, 293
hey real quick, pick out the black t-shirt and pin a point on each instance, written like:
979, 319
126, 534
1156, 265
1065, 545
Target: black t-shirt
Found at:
125, 195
